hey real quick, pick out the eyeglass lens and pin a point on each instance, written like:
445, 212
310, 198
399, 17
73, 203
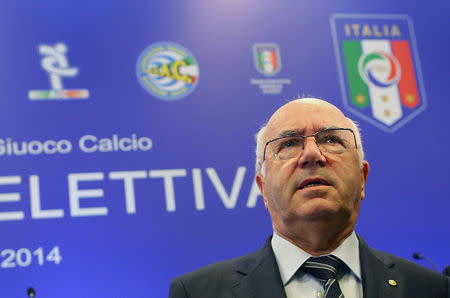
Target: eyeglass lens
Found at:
332, 141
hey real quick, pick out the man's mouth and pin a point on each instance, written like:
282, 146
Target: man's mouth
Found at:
313, 182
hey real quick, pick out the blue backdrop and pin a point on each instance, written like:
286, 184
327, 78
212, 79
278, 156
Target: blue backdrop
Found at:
126, 131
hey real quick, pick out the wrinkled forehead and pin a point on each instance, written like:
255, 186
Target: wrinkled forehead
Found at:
306, 116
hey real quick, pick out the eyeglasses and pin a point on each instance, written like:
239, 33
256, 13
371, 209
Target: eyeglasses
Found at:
332, 140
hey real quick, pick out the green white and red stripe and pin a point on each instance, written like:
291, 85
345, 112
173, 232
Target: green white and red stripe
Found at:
267, 61
58, 94
380, 73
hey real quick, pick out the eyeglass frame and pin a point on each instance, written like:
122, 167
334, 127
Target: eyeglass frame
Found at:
313, 135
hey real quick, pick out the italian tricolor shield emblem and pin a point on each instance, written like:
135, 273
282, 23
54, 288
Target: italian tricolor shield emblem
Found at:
378, 66
267, 58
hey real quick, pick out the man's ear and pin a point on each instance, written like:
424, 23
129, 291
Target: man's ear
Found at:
260, 181
364, 174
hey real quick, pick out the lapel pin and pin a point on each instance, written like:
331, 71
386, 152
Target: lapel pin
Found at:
392, 282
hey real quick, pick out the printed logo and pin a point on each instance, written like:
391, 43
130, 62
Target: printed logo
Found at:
55, 63
268, 63
267, 58
379, 68
167, 71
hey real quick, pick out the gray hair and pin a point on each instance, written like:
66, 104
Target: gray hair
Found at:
259, 137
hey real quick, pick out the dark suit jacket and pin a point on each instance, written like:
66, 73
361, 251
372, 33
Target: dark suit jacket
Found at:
257, 275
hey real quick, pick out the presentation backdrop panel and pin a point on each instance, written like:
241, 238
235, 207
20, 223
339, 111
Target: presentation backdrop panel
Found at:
127, 131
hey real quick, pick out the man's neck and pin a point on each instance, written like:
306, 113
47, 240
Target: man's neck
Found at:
316, 239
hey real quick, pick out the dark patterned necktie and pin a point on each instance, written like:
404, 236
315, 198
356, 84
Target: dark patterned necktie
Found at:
325, 269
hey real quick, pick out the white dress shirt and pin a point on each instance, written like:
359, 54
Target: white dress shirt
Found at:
300, 284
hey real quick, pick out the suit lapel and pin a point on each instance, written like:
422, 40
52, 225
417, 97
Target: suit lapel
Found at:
261, 277
376, 274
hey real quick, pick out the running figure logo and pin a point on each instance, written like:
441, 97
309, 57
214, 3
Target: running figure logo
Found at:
54, 62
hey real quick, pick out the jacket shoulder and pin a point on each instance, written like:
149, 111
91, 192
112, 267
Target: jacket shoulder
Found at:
214, 280
420, 280
404, 265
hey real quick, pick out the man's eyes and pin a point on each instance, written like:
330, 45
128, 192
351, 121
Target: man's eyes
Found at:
330, 139
290, 143
322, 139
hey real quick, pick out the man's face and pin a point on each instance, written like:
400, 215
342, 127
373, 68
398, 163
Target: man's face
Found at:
337, 181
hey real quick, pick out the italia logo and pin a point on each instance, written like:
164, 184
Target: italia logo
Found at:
378, 67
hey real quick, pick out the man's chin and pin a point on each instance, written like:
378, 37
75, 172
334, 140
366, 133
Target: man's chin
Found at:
318, 208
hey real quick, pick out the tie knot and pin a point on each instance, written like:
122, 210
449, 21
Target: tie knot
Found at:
323, 268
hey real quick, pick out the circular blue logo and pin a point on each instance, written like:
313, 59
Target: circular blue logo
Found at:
167, 71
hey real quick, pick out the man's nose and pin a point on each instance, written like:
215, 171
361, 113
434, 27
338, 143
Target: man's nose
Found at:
311, 154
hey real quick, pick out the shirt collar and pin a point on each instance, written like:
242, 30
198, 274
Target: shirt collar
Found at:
290, 257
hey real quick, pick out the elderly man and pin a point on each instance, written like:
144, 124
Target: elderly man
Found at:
311, 172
